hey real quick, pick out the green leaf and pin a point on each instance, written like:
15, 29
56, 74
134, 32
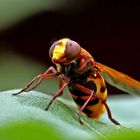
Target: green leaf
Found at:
29, 130
127, 135
24, 117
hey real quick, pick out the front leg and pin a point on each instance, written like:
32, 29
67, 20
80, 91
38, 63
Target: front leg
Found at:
61, 88
40, 77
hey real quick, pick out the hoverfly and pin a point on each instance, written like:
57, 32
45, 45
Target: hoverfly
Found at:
78, 70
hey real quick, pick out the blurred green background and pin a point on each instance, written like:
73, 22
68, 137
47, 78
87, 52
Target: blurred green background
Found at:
109, 30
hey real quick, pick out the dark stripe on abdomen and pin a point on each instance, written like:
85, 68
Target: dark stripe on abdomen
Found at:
90, 84
81, 102
77, 92
87, 111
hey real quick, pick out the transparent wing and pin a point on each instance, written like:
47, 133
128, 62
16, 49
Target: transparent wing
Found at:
119, 80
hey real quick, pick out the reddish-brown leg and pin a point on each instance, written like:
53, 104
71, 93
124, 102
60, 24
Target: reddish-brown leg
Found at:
59, 93
91, 93
109, 113
50, 69
88, 91
60, 84
83, 107
41, 77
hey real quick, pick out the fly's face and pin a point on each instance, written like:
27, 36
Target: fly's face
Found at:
64, 51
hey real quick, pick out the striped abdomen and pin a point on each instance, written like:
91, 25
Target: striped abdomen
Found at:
95, 107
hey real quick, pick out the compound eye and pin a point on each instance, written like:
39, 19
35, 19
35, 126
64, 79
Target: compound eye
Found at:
51, 49
73, 49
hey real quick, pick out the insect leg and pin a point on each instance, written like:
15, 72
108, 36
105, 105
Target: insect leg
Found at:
91, 92
88, 91
83, 107
51, 69
60, 84
41, 77
59, 93
61, 79
109, 113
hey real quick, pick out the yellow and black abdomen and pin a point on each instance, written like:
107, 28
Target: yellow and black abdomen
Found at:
95, 107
